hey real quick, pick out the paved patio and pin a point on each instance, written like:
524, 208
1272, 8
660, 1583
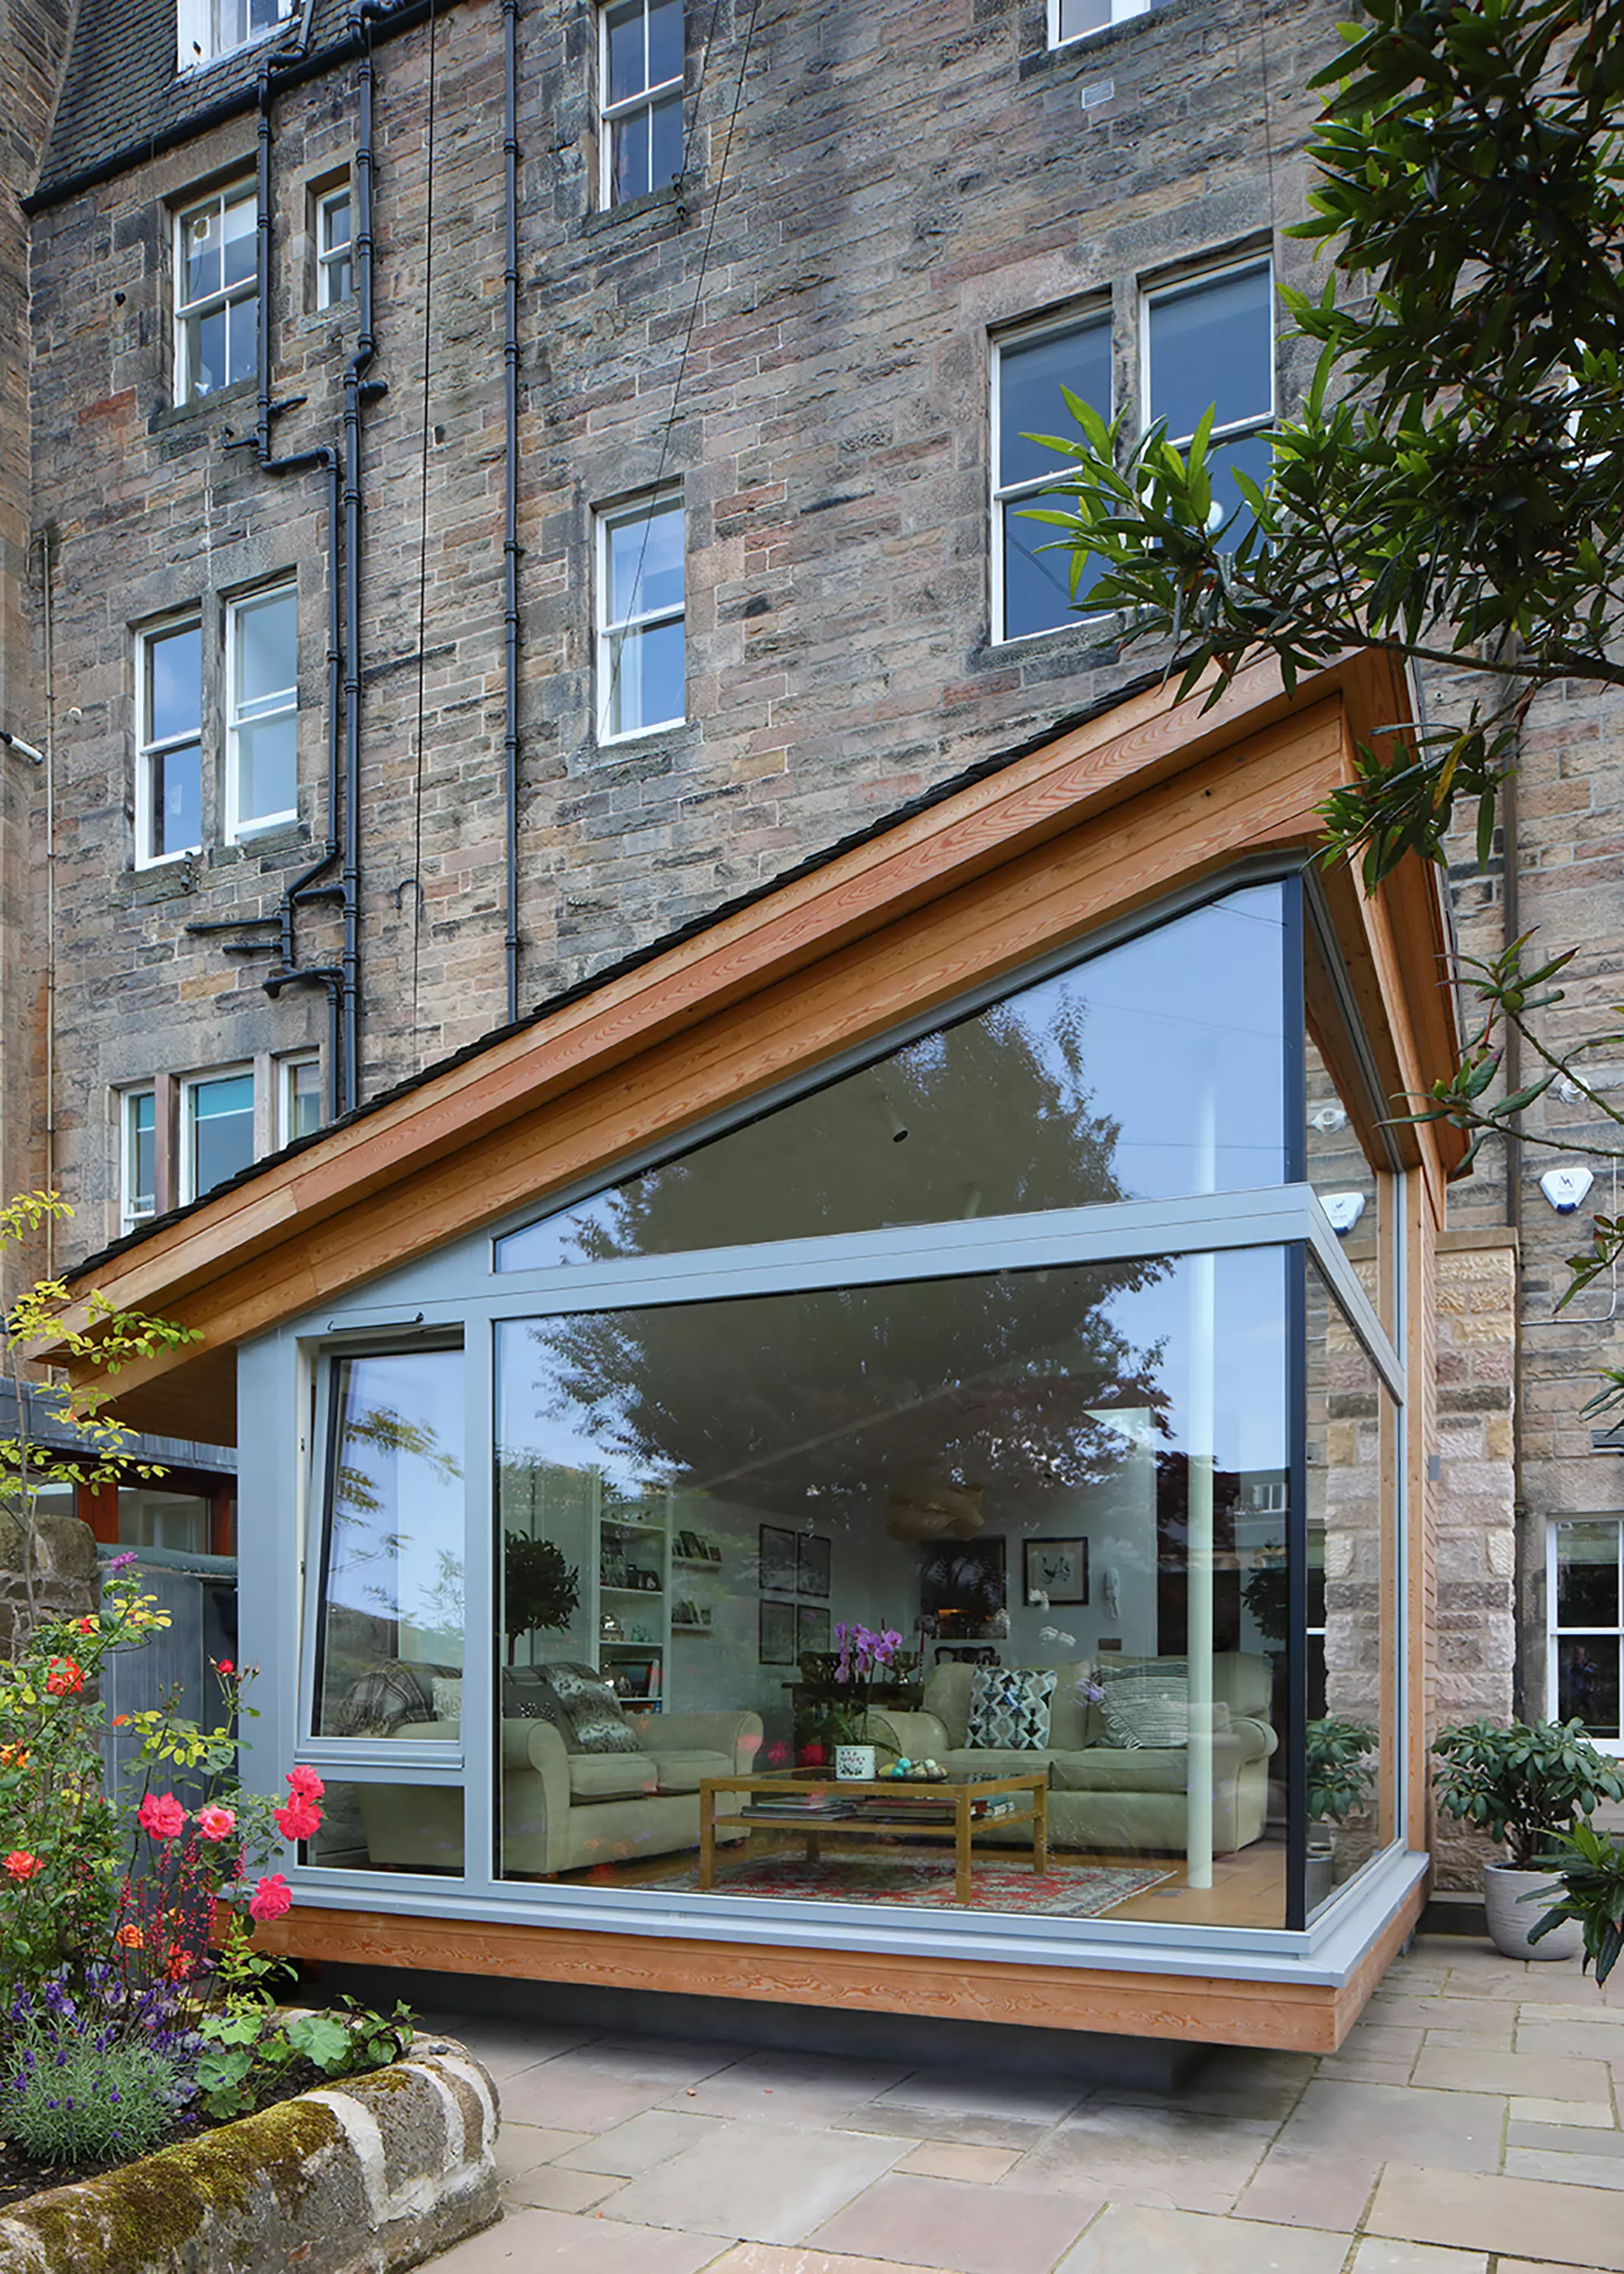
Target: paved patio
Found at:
1470, 2125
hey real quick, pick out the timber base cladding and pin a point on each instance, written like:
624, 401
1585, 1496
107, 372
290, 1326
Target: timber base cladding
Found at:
1274, 2016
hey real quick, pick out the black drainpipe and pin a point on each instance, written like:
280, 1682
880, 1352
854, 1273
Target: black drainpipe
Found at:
510, 522
304, 887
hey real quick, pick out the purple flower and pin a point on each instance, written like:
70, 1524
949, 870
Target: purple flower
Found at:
120, 1562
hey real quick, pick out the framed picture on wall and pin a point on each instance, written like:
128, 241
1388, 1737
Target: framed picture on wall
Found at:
811, 1629
777, 1560
812, 1564
1056, 1571
961, 1589
777, 1634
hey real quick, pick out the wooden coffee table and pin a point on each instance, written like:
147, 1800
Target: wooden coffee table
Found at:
962, 1792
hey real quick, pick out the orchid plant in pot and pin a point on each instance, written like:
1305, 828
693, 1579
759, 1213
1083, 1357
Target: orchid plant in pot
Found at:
1525, 1784
863, 1655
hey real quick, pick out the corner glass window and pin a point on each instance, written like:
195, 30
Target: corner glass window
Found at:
169, 765
1158, 1067
389, 1609
217, 1130
641, 671
640, 79
216, 293
262, 703
1047, 1495
1029, 375
1210, 344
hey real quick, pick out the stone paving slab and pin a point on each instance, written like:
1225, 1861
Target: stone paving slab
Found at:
1469, 2125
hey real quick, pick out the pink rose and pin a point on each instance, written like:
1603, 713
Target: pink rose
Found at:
162, 1815
305, 1784
216, 1822
20, 1864
271, 1898
299, 1818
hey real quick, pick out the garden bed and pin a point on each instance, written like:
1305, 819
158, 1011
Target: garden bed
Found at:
377, 2172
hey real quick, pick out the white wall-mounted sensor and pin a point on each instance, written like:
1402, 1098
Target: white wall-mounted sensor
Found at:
1328, 1120
1343, 1209
1565, 1189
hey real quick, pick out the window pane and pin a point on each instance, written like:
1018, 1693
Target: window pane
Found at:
267, 647
221, 1118
624, 36
632, 159
241, 223
1587, 1683
666, 125
664, 42
389, 1827
1013, 1474
304, 1100
1155, 1067
266, 769
140, 1155
242, 318
160, 1519
174, 683
335, 222
201, 234
649, 680
1080, 16
1252, 454
645, 563
1031, 375
1037, 588
177, 789
1212, 344
207, 355
1587, 1575
391, 1603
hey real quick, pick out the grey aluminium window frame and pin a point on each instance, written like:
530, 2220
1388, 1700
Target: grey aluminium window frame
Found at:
460, 1291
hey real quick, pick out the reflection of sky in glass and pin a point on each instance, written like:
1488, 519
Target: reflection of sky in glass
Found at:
1213, 345
645, 564
396, 1550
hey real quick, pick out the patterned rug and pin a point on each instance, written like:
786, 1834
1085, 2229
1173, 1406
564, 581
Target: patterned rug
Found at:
1065, 1891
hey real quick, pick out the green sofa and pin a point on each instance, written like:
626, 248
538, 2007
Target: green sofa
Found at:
1102, 1796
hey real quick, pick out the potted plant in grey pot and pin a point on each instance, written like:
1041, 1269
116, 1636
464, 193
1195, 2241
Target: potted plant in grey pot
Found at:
1340, 1776
1527, 1785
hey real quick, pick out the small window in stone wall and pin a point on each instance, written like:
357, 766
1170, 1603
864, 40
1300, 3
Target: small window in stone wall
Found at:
335, 246
1076, 20
1586, 1624
640, 96
217, 292
169, 790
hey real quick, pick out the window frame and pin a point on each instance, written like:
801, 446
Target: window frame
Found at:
1122, 11
130, 1217
190, 1084
644, 507
1007, 494
237, 826
149, 746
611, 115
1196, 280
329, 256
288, 1070
195, 18
243, 190
1555, 1635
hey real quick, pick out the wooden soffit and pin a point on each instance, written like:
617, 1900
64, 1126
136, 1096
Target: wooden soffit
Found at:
1108, 817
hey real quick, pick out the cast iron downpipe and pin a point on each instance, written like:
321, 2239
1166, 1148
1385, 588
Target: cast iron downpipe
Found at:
510, 505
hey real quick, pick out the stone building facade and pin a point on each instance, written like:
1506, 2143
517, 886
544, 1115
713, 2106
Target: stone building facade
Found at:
794, 340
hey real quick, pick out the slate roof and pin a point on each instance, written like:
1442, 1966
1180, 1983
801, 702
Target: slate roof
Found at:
979, 771
121, 98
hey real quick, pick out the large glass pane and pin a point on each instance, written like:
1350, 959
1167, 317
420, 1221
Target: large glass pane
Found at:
389, 1827
176, 786
664, 40
1349, 1437
1037, 578
1587, 1574
1157, 1067
267, 648
242, 320
665, 141
220, 1116
241, 228
1057, 1497
1213, 344
645, 563
163, 1520
649, 687
206, 361
266, 769
201, 236
390, 1607
623, 31
174, 683
1587, 1682
1031, 375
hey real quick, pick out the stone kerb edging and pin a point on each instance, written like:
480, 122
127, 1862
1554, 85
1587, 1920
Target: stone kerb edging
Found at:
364, 2177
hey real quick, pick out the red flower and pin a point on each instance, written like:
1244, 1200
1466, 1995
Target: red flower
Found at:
271, 1898
20, 1864
223, 1666
64, 1678
215, 1823
305, 1784
162, 1815
130, 1936
87, 1626
299, 1818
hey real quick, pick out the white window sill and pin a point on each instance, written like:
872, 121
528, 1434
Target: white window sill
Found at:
639, 733
147, 861
245, 832
194, 66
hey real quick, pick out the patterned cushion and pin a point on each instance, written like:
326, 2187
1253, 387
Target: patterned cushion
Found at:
592, 1719
1147, 1703
378, 1701
1009, 1708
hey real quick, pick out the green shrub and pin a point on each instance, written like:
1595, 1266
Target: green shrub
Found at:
89, 2103
1523, 1781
